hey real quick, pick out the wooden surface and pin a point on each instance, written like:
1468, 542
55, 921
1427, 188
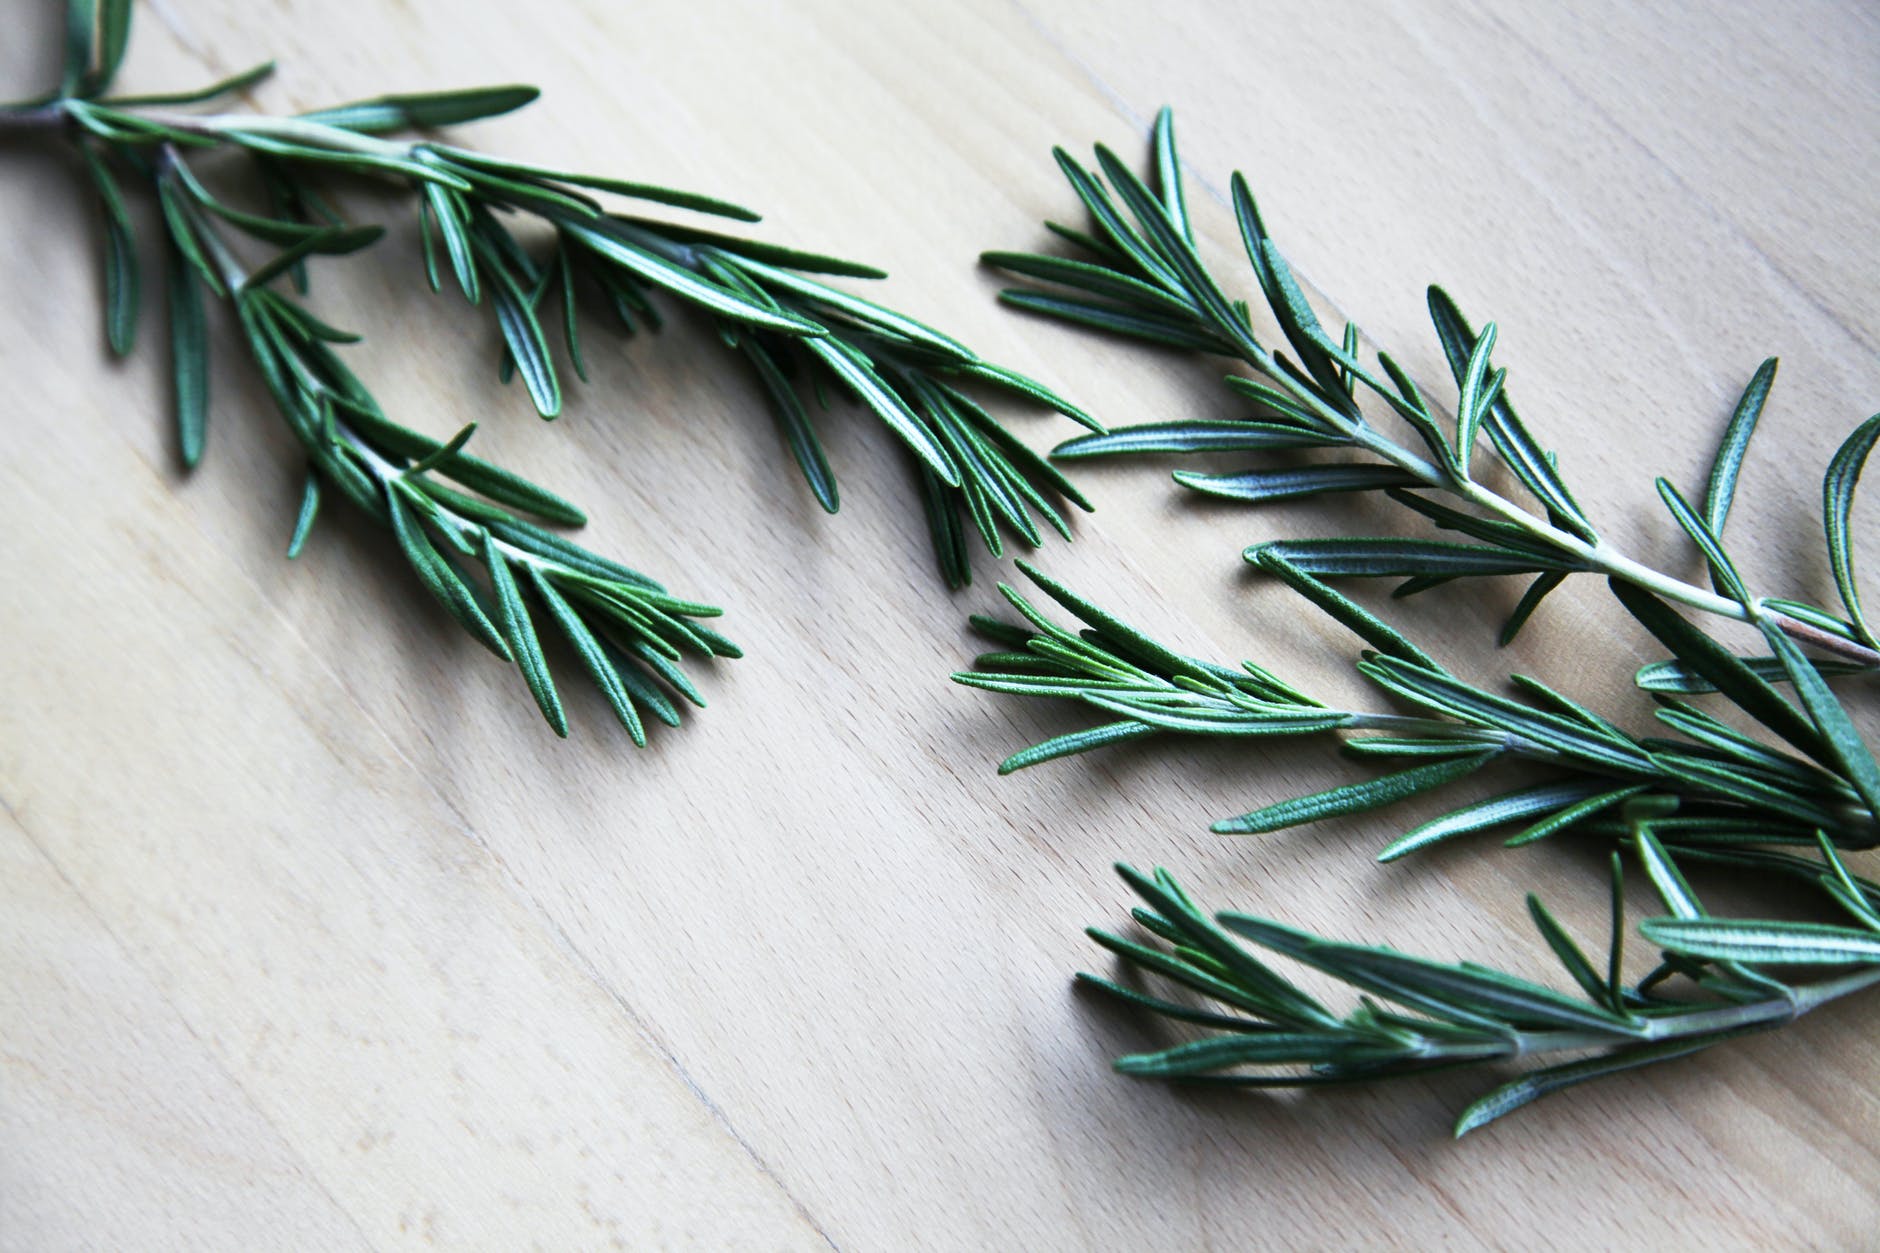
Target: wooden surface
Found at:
311, 935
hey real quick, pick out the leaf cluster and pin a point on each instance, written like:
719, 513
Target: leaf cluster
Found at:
628, 632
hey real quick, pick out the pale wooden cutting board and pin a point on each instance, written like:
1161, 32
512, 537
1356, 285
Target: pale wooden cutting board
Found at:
313, 936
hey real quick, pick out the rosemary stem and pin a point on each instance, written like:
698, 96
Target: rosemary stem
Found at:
1603, 558
1683, 1025
226, 127
232, 126
1775, 1009
33, 118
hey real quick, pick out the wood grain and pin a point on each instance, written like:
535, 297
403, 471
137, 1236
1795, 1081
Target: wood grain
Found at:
313, 936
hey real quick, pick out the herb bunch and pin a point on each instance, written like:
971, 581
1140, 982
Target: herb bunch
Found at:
1779, 789
536, 246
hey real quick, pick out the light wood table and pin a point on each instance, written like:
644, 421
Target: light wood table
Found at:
311, 935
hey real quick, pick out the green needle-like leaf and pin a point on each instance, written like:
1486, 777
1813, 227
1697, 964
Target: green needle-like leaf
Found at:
81, 28
1075, 742
1566, 950
570, 316
1470, 409
429, 109
120, 257
1189, 437
303, 521
1553, 799
1353, 798
793, 421
618, 186
1366, 625
1837, 507
1391, 557
114, 36
440, 578
1729, 460
1531, 599
189, 356
1170, 332
515, 314
1098, 280
682, 282
888, 405
1278, 485
1744, 940
1723, 573
519, 630
864, 311
229, 86
333, 242
599, 666
1531, 1087
1846, 748
1574, 814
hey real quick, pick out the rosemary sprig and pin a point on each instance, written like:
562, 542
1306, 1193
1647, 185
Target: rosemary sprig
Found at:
1710, 792
1138, 275
542, 249
1416, 1016
1727, 788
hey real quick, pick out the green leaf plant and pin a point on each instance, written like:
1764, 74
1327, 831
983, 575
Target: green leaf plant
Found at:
1777, 786
540, 250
